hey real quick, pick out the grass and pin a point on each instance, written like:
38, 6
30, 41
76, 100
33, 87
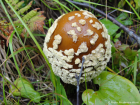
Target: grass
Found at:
25, 58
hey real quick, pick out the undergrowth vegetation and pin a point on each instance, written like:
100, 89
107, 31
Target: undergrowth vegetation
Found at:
25, 73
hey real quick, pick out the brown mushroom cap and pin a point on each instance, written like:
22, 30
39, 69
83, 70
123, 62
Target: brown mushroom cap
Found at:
82, 32
65, 25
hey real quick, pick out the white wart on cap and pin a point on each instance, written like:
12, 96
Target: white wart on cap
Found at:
73, 36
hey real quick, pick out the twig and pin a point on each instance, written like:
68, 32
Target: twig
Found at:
4, 37
78, 79
129, 32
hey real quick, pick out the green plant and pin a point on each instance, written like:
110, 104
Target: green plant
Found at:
125, 57
33, 19
26, 90
112, 89
112, 28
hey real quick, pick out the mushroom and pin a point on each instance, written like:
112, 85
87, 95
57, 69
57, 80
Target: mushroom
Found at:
73, 36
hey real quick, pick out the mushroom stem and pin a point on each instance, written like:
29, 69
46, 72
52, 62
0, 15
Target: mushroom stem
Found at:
131, 33
78, 79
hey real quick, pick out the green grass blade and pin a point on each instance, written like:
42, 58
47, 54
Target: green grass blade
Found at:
135, 70
133, 9
73, 4
37, 44
103, 5
18, 51
49, 6
4, 92
10, 43
62, 5
31, 35
19, 37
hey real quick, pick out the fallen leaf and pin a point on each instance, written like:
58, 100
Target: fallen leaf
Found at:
24, 88
137, 2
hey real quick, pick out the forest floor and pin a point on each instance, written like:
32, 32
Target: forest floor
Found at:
21, 54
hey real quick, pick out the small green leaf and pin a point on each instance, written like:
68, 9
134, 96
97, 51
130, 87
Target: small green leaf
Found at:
113, 49
127, 22
24, 88
130, 54
122, 16
118, 35
137, 3
24, 9
115, 40
17, 6
116, 57
113, 90
123, 47
60, 90
111, 27
121, 3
